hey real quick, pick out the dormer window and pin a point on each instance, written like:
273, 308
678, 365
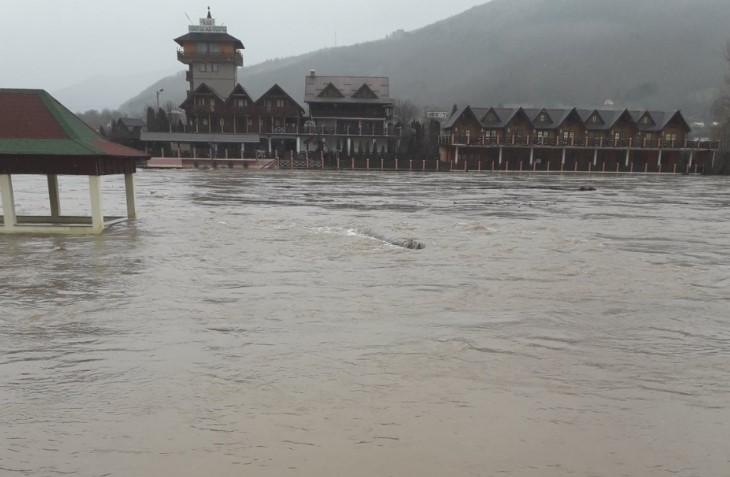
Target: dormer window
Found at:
542, 118
280, 103
242, 103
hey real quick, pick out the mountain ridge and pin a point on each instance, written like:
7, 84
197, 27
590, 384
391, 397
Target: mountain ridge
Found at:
529, 52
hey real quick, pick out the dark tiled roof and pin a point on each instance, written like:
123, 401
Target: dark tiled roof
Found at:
350, 87
209, 38
497, 118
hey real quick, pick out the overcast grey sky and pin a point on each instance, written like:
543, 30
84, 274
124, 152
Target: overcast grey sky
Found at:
53, 44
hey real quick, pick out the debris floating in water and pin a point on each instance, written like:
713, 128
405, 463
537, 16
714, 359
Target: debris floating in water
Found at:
410, 244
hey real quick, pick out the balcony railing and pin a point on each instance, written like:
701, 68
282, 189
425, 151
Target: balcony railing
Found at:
349, 131
592, 142
189, 57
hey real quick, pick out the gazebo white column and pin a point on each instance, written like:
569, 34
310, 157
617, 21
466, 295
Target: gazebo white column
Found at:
53, 195
97, 216
6, 190
129, 188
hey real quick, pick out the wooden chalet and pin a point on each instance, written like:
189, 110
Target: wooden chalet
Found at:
350, 114
596, 140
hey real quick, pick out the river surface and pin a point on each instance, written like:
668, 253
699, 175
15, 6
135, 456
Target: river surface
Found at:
259, 325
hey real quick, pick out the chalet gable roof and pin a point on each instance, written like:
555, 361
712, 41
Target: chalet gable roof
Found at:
331, 91
239, 92
278, 91
202, 90
353, 89
365, 92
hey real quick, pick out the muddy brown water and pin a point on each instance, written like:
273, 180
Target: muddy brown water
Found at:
261, 324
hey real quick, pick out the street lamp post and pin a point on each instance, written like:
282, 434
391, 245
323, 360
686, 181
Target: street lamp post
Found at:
158, 92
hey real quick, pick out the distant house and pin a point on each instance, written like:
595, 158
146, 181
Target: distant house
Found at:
127, 131
571, 139
350, 114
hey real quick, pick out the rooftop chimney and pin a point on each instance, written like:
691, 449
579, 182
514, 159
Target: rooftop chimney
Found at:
312, 73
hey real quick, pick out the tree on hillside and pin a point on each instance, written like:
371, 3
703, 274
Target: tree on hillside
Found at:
721, 111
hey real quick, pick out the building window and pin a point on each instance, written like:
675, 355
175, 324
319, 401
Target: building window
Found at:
214, 67
242, 103
214, 48
279, 103
212, 101
542, 118
670, 137
203, 67
268, 105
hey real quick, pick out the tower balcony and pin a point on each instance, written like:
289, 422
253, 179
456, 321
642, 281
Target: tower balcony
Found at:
189, 58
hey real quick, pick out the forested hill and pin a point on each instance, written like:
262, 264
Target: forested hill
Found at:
645, 53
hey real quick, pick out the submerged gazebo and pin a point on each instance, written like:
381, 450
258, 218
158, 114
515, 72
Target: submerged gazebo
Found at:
38, 135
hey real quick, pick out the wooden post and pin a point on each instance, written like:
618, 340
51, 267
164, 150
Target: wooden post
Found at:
410, 164
423, 165
382, 164
97, 216
500, 155
659, 160
562, 161
338, 162
595, 157
532, 155
53, 195
352, 163
129, 189
367, 163
8, 201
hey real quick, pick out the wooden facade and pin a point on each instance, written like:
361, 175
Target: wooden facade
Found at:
275, 112
582, 140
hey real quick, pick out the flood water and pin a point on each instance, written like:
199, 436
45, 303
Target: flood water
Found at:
256, 324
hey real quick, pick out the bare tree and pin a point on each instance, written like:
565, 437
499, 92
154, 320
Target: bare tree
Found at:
406, 112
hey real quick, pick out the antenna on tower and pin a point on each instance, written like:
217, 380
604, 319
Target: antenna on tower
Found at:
188, 16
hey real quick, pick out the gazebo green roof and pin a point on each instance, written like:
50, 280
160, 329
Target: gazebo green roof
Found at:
38, 135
